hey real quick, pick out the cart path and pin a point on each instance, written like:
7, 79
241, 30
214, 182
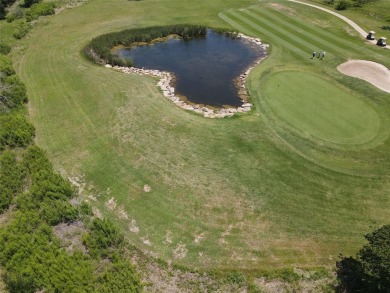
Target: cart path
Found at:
361, 31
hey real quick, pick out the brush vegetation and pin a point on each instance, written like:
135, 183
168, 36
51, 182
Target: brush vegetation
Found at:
278, 187
99, 49
37, 199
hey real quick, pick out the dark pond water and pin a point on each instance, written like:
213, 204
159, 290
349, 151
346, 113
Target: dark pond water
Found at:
204, 67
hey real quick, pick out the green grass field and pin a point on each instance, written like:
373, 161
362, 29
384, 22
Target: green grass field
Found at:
295, 182
326, 111
371, 16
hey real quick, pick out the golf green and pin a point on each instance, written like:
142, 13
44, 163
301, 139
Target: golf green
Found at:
313, 105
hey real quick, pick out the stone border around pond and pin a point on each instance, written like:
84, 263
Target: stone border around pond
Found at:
169, 91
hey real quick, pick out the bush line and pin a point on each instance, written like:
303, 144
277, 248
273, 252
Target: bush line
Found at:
99, 49
31, 256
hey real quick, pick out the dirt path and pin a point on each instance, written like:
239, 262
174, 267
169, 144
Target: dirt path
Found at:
375, 73
361, 31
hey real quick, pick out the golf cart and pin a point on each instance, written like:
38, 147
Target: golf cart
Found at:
381, 42
371, 35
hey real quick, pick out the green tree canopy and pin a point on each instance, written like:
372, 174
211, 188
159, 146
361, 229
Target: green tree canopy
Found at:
370, 270
28, 3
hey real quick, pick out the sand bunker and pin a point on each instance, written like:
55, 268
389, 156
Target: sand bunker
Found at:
375, 73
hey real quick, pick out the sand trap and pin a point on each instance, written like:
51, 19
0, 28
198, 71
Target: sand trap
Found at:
375, 73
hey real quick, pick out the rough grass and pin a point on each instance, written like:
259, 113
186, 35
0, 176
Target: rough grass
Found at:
371, 16
249, 192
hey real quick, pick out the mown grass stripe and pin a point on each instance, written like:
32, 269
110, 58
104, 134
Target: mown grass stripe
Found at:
256, 30
348, 45
235, 24
301, 25
282, 39
300, 42
328, 41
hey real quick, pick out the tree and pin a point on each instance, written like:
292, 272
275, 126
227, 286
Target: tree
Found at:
343, 4
3, 5
370, 270
8, 2
2, 10
28, 3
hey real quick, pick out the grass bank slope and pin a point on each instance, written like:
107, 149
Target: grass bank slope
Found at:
253, 192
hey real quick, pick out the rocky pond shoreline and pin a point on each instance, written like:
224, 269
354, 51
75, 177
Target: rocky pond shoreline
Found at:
166, 79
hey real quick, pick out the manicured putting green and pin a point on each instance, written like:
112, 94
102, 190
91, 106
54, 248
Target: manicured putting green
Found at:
322, 109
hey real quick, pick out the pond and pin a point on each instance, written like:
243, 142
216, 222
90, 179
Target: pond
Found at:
205, 68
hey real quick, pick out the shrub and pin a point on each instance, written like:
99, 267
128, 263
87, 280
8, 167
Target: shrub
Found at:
103, 237
28, 246
47, 184
21, 29
12, 90
54, 212
343, 4
19, 282
11, 178
119, 277
4, 48
14, 15
15, 91
11, 16
40, 9
15, 131
6, 68
35, 160
85, 209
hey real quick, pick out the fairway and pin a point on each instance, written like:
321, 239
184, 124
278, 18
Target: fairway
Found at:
322, 109
293, 183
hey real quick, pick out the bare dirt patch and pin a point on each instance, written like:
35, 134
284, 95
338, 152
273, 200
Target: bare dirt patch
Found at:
146, 241
5, 217
133, 227
199, 238
168, 237
111, 204
281, 7
69, 4
97, 213
121, 212
372, 72
180, 251
147, 188
70, 236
